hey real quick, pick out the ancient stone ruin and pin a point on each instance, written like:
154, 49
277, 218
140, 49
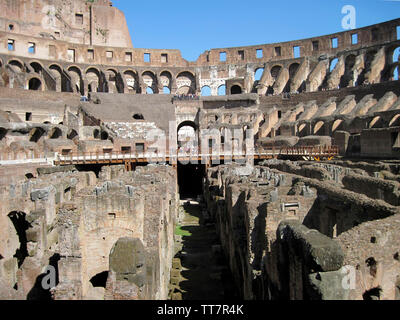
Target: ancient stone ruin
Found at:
252, 173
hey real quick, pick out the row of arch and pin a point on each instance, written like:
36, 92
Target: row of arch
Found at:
391, 71
92, 79
319, 128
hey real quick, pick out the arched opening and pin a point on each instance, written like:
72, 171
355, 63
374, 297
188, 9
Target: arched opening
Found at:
293, 69
187, 136
132, 82
18, 219
62, 83
99, 280
396, 62
186, 79
113, 85
166, 81
150, 81
302, 130
55, 133
17, 66
96, 133
37, 67
93, 79
349, 63
348, 73
235, 89
104, 135
34, 84
76, 79
138, 116
275, 72
206, 91
36, 134
337, 125
222, 90
395, 122
72, 134
319, 128
375, 123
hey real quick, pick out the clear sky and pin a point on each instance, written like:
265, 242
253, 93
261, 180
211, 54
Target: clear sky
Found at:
196, 26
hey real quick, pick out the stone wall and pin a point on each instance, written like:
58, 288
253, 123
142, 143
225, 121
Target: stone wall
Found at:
282, 230
133, 210
72, 221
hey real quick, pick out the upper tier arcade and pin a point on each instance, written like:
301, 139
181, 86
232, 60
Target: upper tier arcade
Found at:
94, 54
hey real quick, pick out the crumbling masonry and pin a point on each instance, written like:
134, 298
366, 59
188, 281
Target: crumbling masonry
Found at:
312, 213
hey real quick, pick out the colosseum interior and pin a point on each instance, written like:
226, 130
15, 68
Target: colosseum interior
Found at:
266, 172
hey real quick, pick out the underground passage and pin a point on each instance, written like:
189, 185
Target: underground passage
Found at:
297, 197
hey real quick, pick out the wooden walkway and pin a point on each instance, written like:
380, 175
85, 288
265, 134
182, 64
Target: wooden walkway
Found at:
306, 153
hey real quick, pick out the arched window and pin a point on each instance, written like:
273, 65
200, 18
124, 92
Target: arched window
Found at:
55, 133
222, 90
206, 91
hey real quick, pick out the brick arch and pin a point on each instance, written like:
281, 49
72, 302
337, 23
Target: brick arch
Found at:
36, 61
74, 66
33, 82
337, 124
395, 121
153, 76
111, 223
20, 62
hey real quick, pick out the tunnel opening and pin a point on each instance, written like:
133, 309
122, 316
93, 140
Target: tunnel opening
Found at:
100, 279
190, 180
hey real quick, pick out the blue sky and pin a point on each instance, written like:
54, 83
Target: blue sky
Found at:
196, 26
